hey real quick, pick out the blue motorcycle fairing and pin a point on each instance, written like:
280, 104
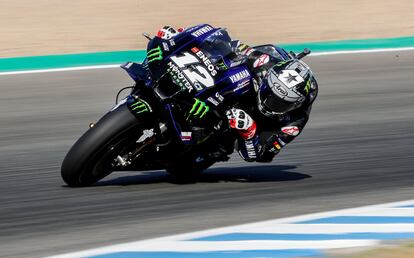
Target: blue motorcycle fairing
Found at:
208, 46
138, 72
215, 46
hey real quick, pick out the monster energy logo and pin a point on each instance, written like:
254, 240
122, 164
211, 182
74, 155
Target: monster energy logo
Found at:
281, 63
200, 108
307, 87
140, 106
154, 54
221, 65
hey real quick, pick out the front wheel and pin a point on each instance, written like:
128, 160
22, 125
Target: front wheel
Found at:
91, 158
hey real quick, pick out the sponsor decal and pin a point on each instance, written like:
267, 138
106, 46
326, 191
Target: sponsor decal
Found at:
172, 42
197, 73
237, 63
281, 63
221, 65
199, 108
240, 76
213, 101
248, 51
263, 59
291, 130
283, 86
219, 97
308, 87
277, 145
154, 54
186, 136
242, 85
178, 77
140, 106
200, 54
165, 46
217, 33
250, 149
202, 31
282, 91
281, 142
147, 133
273, 150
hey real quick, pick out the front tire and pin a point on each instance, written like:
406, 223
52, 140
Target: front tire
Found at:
90, 157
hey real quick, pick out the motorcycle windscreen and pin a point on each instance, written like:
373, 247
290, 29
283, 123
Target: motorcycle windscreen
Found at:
217, 45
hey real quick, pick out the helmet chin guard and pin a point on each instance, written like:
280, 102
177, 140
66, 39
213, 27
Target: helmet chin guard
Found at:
284, 88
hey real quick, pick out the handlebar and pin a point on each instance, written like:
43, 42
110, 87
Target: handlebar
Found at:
302, 54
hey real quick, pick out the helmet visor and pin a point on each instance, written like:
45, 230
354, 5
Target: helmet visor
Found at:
274, 105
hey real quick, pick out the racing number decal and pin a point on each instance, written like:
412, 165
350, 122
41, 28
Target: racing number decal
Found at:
194, 70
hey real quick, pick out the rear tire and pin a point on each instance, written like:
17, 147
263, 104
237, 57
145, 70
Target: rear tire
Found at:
89, 159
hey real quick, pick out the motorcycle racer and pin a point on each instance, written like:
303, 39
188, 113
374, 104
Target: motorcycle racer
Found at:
284, 92
197, 96
277, 107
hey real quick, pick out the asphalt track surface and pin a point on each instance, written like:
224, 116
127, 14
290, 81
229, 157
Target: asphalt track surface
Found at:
357, 149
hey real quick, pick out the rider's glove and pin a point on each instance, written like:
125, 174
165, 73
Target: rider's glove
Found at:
242, 122
198, 110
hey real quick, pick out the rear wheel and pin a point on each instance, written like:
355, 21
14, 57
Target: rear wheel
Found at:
92, 157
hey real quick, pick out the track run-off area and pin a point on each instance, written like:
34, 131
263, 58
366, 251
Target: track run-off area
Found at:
356, 150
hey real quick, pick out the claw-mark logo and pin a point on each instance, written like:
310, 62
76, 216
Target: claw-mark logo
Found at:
140, 106
154, 54
200, 108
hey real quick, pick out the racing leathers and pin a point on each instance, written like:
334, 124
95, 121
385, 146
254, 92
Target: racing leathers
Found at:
260, 136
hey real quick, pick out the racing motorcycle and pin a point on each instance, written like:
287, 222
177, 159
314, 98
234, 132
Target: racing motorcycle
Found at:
158, 125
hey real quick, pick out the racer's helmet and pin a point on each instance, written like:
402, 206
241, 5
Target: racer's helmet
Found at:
285, 87
167, 32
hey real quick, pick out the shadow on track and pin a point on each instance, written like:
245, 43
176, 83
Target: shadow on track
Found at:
250, 174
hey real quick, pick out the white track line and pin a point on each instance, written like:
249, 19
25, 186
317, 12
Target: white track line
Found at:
331, 229
78, 68
200, 246
361, 51
260, 227
390, 212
